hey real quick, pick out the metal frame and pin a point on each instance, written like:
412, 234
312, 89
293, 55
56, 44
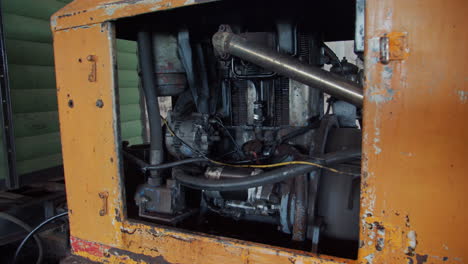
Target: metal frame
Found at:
6, 124
414, 170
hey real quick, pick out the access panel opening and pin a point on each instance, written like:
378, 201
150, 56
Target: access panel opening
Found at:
262, 139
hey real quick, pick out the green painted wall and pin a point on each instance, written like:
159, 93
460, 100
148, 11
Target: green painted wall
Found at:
32, 83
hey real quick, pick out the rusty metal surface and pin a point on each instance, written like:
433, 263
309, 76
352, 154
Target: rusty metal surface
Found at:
415, 140
87, 12
415, 146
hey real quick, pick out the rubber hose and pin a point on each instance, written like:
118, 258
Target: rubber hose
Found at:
148, 81
36, 229
264, 178
28, 229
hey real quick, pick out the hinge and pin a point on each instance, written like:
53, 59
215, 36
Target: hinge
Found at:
393, 47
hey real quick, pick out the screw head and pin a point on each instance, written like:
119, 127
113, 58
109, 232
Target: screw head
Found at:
99, 103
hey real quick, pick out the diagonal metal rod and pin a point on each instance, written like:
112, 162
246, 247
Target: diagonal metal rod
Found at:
335, 85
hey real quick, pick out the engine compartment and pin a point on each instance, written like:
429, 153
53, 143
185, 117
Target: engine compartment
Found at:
247, 151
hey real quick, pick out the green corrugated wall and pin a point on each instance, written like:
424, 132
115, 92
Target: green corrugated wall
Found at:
32, 83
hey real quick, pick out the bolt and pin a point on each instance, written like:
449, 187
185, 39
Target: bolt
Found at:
99, 103
101, 212
90, 58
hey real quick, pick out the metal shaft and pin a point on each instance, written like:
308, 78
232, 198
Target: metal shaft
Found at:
335, 85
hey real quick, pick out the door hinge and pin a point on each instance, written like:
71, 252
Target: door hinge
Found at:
393, 47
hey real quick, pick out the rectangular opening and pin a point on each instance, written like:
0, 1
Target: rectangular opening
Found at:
250, 122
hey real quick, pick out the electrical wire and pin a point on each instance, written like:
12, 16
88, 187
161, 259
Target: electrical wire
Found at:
28, 229
280, 164
274, 165
37, 228
238, 149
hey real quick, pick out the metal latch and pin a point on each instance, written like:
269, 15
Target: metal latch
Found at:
393, 47
103, 196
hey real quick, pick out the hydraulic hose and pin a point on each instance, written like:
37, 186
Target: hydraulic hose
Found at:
148, 80
264, 178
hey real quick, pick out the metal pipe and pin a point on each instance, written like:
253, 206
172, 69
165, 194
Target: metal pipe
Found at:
144, 167
335, 85
148, 81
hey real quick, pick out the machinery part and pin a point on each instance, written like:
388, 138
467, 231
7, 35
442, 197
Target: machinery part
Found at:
314, 222
28, 229
303, 101
154, 201
273, 176
194, 63
185, 52
229, 43
216, 173
262, 118
300, 211
346, 113
37, 228
148, 83
170, 74
343, 193
146, 167
193, 136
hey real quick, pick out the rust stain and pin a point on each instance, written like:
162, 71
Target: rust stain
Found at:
92, 248
398, 45
135, 257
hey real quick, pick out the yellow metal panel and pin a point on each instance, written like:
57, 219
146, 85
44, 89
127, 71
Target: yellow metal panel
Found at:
86, 12
89, 132
415, 145
415, 135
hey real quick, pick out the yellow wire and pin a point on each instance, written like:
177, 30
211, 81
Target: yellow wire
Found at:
279, 165
265, 165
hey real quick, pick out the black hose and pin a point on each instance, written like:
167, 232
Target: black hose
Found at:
37, 228
28, 229
265, 178
148, 79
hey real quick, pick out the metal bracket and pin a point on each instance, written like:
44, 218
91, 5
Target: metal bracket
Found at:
103, 196
92, 74
393, 47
